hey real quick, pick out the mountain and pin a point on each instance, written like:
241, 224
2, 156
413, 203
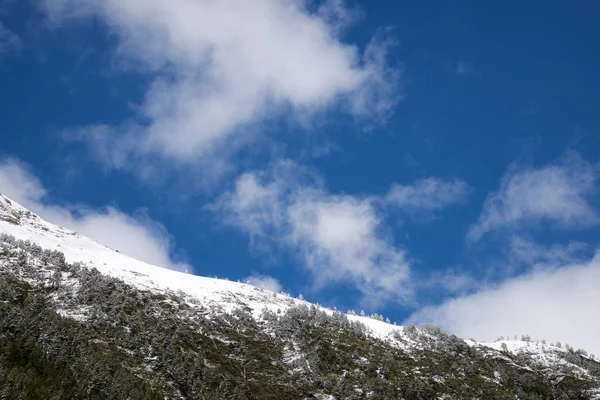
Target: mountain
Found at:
79, 320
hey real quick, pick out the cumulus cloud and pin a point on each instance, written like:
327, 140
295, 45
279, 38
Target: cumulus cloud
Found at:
220, 68
557, 303
136, 236
264, 281
338, 238
558, 194
548, 291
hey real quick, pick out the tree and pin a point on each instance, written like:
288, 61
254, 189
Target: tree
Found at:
410, 330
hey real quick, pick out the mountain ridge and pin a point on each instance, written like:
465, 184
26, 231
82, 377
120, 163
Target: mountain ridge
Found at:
85, 287
78, 248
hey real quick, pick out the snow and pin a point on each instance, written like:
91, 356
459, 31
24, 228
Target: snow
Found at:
594, 394
539, 352
19, 222
226, 295
77, 316
521, 346
78, 248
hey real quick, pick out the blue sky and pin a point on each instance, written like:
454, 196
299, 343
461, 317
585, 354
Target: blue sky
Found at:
414, 159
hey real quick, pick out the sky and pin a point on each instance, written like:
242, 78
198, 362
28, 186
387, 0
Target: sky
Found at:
431, 162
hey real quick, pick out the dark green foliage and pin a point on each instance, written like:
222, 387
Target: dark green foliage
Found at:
68, 332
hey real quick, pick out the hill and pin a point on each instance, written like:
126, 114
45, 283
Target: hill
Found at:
81, 321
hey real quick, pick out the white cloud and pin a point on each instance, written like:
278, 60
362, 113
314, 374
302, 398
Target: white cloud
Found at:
558, 194
449, 281
264, 281
338, 238
9, 41
429, 194
555, 298
525, 251
551, 303
219, 68
136, 236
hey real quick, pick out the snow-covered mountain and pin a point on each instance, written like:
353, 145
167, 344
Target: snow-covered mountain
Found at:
21, 223
324, 353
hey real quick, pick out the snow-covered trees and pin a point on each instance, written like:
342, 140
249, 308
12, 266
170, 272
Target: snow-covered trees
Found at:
91, 333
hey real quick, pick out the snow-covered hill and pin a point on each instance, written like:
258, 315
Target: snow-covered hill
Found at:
163, 320
21, 223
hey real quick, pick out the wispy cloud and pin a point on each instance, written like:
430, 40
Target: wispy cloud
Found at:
9, 41
448, 281
466, 69
427, 195
338, 238
221, 68
524, 251
558, 194
137, 236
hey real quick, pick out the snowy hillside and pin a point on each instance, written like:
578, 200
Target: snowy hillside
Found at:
81, 320
21, 223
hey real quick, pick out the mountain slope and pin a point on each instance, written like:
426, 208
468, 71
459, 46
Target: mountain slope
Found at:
88, 322
19, 222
